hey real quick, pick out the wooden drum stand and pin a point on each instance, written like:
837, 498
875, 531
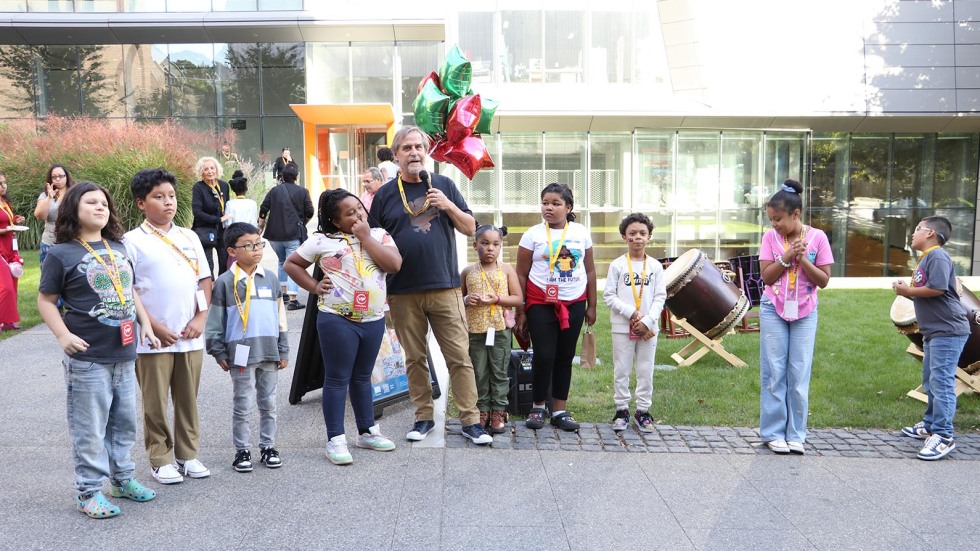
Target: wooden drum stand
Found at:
701, 345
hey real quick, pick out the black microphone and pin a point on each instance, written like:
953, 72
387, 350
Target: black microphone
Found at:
424, 176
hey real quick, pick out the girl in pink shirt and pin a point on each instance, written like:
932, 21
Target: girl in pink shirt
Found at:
795, 261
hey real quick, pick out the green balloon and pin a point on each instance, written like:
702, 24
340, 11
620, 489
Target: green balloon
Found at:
456, 73
489, 107
430, 107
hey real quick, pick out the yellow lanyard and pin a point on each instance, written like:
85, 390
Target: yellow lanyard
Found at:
243, 311
921, 258
553, 255
216, 188
237, 196
5, 207
637, 298
408, 209
113, 272
357, 255
492, 286
795, 268
193, 263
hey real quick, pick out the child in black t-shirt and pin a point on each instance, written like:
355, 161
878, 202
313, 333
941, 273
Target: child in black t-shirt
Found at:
945, 329
88, 268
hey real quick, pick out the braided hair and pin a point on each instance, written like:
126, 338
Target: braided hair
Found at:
328, 207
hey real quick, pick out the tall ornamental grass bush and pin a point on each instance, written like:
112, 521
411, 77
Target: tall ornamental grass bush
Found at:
98, 150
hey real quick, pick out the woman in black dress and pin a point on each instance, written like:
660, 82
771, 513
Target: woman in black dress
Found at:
208, 198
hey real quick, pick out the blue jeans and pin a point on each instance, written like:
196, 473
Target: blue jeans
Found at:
785, 362
254, 385
349, 350
101, 421
939, 381
283, 249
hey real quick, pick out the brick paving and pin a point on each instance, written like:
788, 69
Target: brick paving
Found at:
871, 443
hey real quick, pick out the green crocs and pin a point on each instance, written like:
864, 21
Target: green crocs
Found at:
96, 506
131, 489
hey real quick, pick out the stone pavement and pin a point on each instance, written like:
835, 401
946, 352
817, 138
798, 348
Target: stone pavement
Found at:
711, 488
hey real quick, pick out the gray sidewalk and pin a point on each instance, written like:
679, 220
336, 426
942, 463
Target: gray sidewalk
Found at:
516, 495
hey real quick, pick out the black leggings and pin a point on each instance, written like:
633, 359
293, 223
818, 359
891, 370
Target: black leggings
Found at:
554, 349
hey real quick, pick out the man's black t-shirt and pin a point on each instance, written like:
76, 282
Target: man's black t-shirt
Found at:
427, 242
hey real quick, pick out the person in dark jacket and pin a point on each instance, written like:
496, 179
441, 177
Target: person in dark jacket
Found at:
208, 198
285, 158
283, 215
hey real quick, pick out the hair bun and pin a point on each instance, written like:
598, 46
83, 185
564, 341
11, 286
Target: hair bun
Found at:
237, 174
503, 231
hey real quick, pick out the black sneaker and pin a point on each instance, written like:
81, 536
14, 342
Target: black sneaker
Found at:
270, 458
295, 305
644, 422
243, 461
621, 421
564, 421
476, 433
535, 419
420, 430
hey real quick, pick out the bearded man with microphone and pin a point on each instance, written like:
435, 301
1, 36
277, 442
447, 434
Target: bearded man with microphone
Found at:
422, 213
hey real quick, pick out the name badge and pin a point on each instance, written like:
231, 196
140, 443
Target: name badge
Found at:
202, 301
13, 244
241, 354
791, 309
491, 333
265, 292
127, 332
551, 292
361, 300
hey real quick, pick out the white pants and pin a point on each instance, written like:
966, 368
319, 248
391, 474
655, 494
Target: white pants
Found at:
625, 352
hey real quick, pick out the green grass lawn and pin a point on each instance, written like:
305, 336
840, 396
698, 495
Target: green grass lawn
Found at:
861, 371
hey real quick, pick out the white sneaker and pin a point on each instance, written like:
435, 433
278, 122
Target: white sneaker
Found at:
337, 451
193, 468
778, 446
796, 447
167, 474
374, 440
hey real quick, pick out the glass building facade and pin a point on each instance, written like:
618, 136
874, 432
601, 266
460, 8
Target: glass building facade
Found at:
703, 187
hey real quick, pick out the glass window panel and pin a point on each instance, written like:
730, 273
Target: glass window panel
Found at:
610, 170
280, 5
277, 133
868, 170
145, 74
192, 75
697, 171
876, 245
828, 176
909, 186
188, 5
785, 158
50, 6
233, 5
103, 93
524, 175
418, 59
247, 142
741, 171
476, 35
522, 40
283, 77
564, 162
655, 184
58, 80
648, 46
697, 230
17, 6
17, 85
330, 69
741, 232
102, 6
610, 54
372, 67
146, 5
955, 170
564, 39
833, 222
239, 83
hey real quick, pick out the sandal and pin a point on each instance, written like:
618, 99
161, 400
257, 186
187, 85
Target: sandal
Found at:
131, 489
96, 506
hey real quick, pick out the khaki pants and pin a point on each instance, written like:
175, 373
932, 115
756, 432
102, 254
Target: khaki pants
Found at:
443, 309
160, 376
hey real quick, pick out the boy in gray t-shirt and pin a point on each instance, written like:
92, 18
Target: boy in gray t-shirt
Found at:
945, 329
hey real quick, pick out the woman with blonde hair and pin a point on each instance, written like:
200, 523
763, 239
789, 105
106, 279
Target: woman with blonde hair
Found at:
208, 199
